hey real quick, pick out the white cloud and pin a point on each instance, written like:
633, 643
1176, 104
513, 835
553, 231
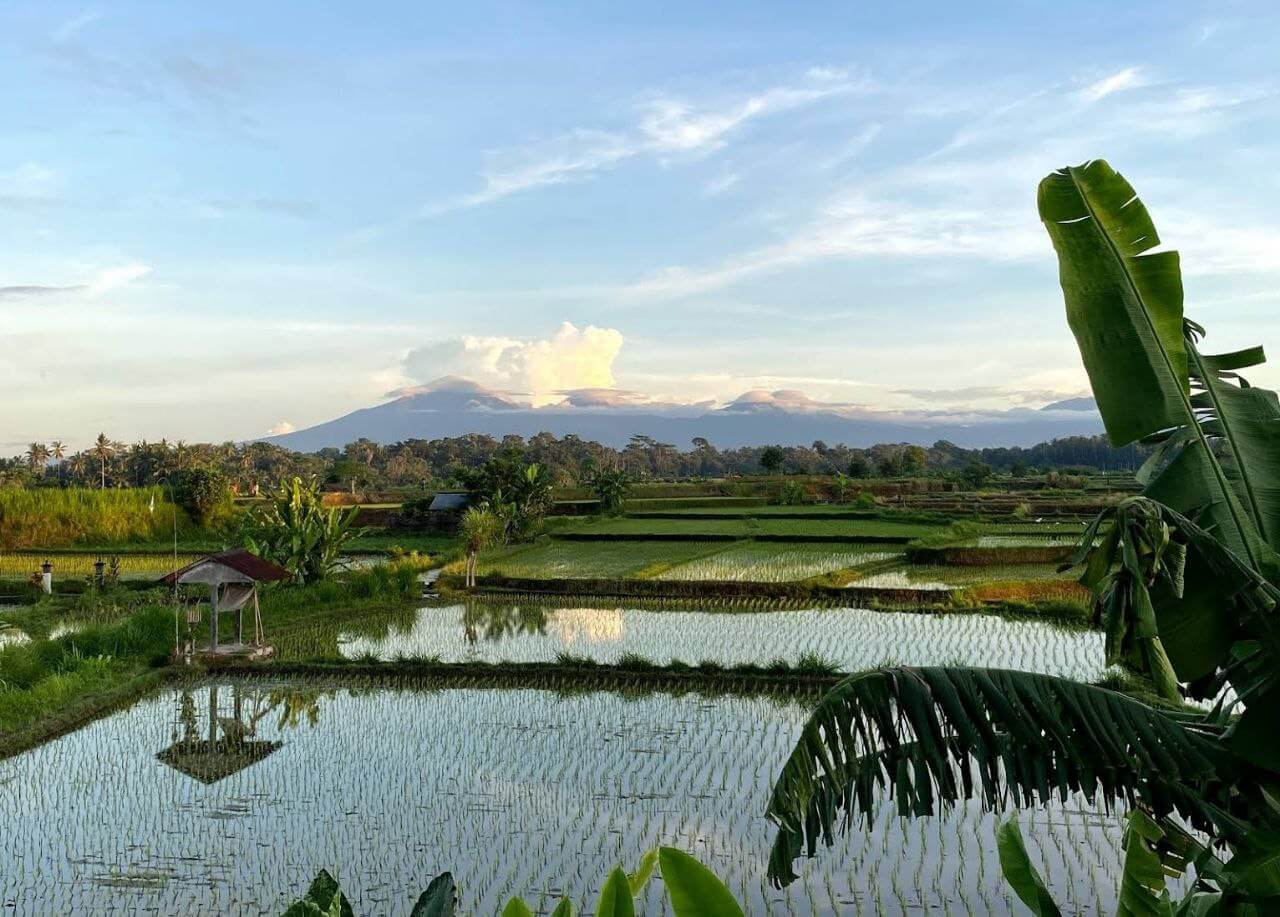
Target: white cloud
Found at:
543, 368
281, 428
1128, 78
855, 227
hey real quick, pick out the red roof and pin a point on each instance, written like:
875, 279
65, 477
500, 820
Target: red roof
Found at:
240, 560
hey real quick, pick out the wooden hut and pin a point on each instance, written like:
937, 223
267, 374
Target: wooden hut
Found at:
232, 578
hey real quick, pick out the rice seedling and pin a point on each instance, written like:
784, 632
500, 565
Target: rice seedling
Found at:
775, 563
387, 787
132, 565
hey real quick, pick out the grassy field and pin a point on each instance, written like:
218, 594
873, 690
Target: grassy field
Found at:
50, 517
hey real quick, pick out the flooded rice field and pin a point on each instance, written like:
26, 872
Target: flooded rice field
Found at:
852, 639
227, 797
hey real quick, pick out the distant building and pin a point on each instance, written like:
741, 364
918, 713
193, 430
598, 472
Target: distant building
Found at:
446, 509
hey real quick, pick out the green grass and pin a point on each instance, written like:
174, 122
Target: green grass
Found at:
382, 542
39, 677
48, 517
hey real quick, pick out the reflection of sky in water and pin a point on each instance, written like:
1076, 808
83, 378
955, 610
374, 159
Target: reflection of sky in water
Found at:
853, 639
514, 791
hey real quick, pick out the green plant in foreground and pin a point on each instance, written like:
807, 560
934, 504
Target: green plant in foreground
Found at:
694, 891
1185, 583
297, 531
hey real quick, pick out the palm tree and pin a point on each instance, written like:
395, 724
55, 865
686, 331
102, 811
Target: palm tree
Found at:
37, 456
1185, 584
103, 449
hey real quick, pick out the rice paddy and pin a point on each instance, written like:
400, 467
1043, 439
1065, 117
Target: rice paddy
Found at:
849, 638
523, 792
777, 563
813, 526
132, 565
938, 577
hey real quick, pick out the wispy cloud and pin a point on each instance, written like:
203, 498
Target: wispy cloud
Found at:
104, 281
1121, 80
667, 127
34, 291
73, 25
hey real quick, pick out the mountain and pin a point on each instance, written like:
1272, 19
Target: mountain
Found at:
1073, 404
454, 407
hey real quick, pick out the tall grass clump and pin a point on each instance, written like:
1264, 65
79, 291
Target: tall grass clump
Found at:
47, 517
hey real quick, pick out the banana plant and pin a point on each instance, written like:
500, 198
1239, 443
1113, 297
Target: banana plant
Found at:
297, 531
1156, 852
694, 891
1185, 587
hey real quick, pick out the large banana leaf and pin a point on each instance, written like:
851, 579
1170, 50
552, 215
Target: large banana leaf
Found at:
932, 736
1124, 305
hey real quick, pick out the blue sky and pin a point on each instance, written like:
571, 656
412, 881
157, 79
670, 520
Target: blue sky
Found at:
220, 219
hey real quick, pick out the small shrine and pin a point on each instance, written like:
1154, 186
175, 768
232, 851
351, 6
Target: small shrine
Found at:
232, 578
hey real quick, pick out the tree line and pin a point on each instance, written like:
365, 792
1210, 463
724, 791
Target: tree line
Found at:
427, 463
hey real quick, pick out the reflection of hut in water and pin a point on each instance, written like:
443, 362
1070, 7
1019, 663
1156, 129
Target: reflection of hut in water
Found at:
227, 745
232, 578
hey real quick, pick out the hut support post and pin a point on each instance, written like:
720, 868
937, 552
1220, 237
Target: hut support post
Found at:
213, 616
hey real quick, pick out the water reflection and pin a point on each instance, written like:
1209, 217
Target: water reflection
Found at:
852, 639
508, 789
218, 738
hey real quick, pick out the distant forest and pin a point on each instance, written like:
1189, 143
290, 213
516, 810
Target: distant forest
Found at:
420, 463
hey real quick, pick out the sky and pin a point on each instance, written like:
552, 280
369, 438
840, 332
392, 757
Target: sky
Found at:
223, 219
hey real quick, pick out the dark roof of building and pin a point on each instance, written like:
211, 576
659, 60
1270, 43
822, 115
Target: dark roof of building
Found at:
240, 560
450, 502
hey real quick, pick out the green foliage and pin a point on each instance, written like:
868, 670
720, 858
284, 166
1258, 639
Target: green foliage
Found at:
975, 474
791, 493
297, 531
48, 517
1156, 851
859, 466
933, 736
1019, 872
771, 459
203, 493
695, 891
610, 486
41, 677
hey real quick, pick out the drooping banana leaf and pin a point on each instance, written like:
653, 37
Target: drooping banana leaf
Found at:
932, 736
1125, 307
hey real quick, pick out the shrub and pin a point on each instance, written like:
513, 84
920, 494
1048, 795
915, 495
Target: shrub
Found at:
203, 493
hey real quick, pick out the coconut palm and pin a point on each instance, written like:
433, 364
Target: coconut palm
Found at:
103, 449
1185, 587
37, 457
